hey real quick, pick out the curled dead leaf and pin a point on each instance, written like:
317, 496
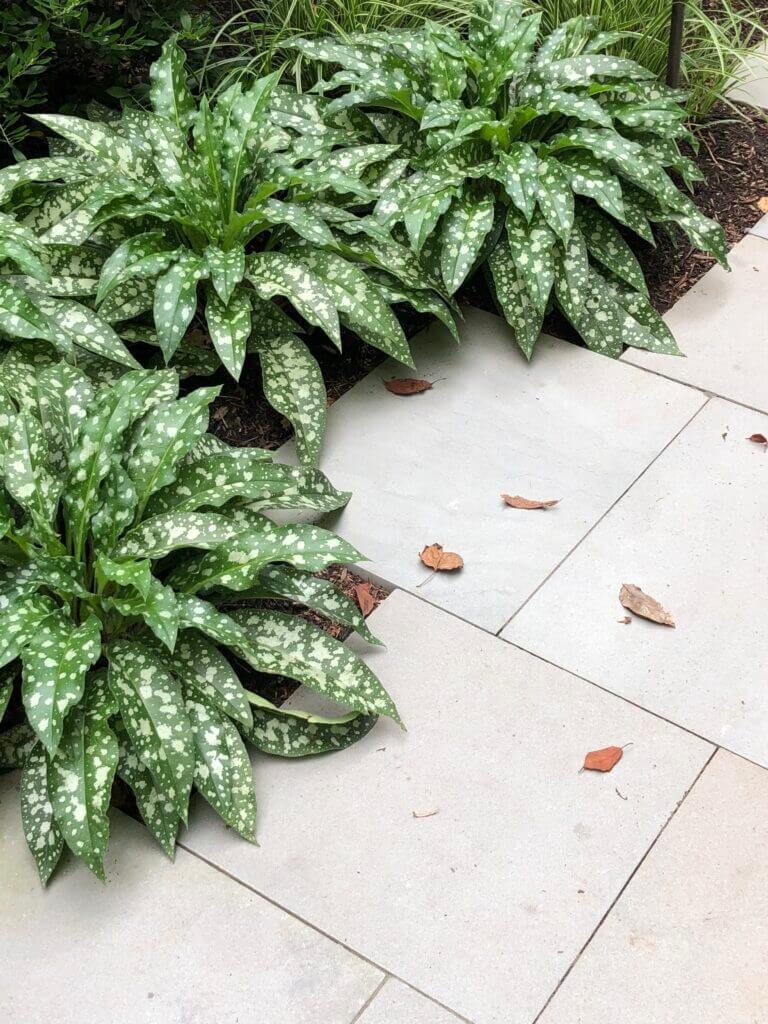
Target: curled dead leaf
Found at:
762, 204
407, 385
603, 760
366, 602
425, 814
758, 438
515, 501
633, 598
434, 557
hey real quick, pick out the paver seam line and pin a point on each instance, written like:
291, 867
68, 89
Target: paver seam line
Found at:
624, 887
693, 387
320, 931
370, 999
607, 512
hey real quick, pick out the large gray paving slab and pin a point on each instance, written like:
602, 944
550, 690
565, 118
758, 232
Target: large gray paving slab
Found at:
398, 1004
431, 468
761, 228
483, 905
691, 533
721, 326
688, 940
751, 79
160, 943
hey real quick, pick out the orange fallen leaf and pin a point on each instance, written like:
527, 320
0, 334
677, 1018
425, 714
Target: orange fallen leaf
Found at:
758, 438
407, 385
603, 760
435, 558
364, 597
762, 204
633, 598
515, 501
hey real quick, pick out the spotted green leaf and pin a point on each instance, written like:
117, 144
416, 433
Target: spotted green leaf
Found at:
290, 733
293, 385
606, 244
57, 168
532, 248
517, 170
86, 329
205, 670
142, 255
16, 744
283, 581
226, 269
157, 609
169, 93
176, 300
152, 708
156, 809
26, 471
464, 230
41, 831
230, 327
274, 273
288, 645
55, 663
80, 776
555, 198
159, 535
222, 767
515, 302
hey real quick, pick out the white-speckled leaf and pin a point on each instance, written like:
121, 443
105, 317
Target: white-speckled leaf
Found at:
230, 327
284, 581
159, 535
531, 246
157, 609
20, 316
202, 667
226, 269
465, 228
26, 469
15, 745
516, 304
606, 244
157, 809
293, 385
41, 831
117, 504
140, 256
555, 198
64, 395
80, 777
161, 439
222, 766
176, 300
290, 733
517, 170
85, 328
152, 709
289, 645
274, 273
169, 93
55, 664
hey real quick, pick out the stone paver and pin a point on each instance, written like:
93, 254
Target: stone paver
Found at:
483, 905
161, 943
398, 1004
691, 532
761, 228
571, 425
752, 79
722, 327
688, 940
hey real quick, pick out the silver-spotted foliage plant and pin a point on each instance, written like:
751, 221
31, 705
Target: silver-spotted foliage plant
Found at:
246, 209
531, 157
135, 551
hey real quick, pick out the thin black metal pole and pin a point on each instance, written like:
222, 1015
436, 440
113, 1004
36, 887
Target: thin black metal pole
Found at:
676, 25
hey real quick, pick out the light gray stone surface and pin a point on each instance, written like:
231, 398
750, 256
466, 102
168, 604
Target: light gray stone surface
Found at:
398, 1004
431, 468
484, 904
721, 325
691, 533
687, 943
751, 85
160, 943
761, 228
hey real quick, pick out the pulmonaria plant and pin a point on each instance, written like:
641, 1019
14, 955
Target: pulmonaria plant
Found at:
134, 553
527, 156
245, 208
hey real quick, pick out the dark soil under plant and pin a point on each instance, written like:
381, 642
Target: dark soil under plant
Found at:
733, 156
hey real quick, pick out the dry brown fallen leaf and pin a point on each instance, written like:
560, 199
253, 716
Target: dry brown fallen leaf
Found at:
407, 385
636, 601
364, 597
758, 438
435, 558
515, 501
762, 204
603, 760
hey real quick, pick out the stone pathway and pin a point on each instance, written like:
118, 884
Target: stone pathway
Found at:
466, 870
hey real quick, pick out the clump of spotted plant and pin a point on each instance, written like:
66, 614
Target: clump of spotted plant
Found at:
241, 210
528, 157
134, 556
